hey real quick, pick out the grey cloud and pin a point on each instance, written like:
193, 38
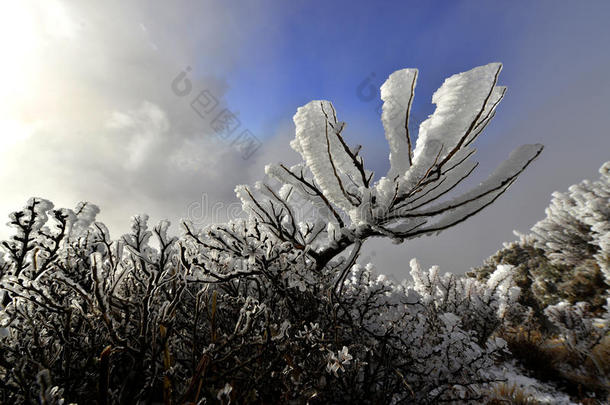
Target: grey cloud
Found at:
110, 129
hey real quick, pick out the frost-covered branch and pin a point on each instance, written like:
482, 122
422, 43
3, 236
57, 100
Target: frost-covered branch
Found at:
406, 203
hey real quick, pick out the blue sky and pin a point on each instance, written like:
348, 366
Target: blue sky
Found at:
310, 50
87, 111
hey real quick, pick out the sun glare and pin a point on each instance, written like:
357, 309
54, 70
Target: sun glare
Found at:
24, 27
18, 46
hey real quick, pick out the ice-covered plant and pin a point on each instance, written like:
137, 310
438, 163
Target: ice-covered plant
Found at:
560, 266
565, 256
577, 224
586, 336
580, 330
411, 199
274, 307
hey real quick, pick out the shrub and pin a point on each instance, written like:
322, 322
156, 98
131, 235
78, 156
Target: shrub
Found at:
274, 308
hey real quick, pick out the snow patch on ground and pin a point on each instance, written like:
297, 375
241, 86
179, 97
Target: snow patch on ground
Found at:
541, 392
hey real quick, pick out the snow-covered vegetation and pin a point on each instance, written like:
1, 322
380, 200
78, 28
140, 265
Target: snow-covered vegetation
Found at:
277, 308
561, 267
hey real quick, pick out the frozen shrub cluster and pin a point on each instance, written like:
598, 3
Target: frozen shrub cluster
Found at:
117, 320
274, 308
440, 328
78, 300
561, 267
580, 329
545, 283
577, 224
587, 337
565, 256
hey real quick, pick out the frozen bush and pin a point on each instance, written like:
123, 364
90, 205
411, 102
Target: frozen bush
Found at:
274, 307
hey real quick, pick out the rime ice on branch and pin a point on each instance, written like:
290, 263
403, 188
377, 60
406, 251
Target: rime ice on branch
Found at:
406, 202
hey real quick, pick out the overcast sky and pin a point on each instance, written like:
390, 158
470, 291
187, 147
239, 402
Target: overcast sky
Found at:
88, 110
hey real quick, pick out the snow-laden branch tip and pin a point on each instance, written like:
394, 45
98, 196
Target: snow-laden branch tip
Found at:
406, 202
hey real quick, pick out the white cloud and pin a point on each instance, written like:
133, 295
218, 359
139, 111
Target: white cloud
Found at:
90, 114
